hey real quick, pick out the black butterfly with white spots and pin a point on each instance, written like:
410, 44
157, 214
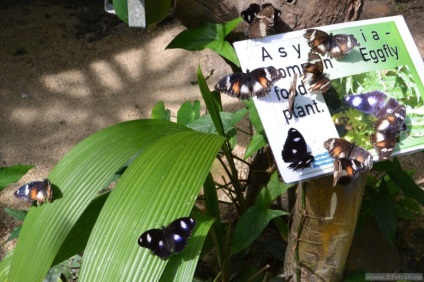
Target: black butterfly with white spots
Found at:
171, 239
349, 160
390, 116
336, 46
295, 151
260, 20
257, 82
313, 74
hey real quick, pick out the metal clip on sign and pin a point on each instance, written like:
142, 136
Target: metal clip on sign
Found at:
141, 13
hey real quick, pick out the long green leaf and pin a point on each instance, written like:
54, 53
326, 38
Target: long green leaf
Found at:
79, 176
160, 185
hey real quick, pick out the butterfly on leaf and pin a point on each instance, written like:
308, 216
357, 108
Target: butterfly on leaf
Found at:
170, 239
39, 191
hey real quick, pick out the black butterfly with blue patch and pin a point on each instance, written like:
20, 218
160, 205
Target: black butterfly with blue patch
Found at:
390, 116
295, 151
170, 239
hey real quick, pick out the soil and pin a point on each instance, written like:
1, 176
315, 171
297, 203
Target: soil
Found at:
70, 69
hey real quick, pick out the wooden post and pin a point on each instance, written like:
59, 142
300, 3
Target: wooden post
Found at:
323, 225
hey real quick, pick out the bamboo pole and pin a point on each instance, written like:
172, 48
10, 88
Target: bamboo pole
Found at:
323, 225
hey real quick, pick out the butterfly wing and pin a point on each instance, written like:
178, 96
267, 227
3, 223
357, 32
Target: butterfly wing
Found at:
369, 103
250, 13
346, 170
36, 190
244, 85
342, 149
341, 45
387, 128
178, 231
313, 74
154, 239
292, 93
318, 40
295, 151
232, 85
261, 80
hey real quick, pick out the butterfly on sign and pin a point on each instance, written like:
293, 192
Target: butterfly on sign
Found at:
349, 160
373, 103
387, 129
295, 151
313, 74
35, 191
170, 239
292, 92
257, 82
336, 46
260, 20
390, 116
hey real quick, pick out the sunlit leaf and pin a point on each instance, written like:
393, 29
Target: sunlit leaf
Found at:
210, 36
12, 174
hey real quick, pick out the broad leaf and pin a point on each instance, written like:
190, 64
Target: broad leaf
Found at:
79, 176
257, 142
159, 111
160, 185
210, 36
12, 174
188, 112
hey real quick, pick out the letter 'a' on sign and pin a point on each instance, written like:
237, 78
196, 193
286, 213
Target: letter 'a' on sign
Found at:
357, 81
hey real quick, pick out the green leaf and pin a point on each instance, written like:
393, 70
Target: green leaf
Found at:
258, 142
160, 185
271, 191
405, 182
5, 266
254, 117
188, 113
251, 225
12, 174
210, 36
229, 120
14, 234
16, 214
159, 111
79, 176
383, 209
211, 103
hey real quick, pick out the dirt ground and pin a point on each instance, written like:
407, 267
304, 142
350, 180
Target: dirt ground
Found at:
69, 69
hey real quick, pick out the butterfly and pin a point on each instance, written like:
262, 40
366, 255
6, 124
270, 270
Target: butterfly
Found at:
292, 92
171, 239
36, 190
387, 129
390, 116
313, 74
295, 151
349, 160
260, 20
245, 85
336, 46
